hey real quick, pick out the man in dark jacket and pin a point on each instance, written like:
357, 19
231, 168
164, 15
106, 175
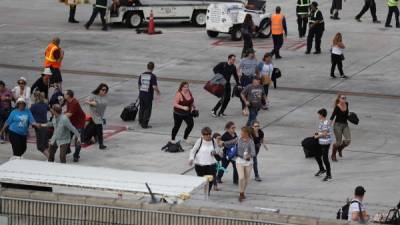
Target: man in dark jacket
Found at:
42, 84
99, 7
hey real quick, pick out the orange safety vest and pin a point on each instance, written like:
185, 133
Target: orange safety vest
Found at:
49, 60
276, 24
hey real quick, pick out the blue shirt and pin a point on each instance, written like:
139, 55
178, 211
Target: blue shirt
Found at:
19, 121
39, 112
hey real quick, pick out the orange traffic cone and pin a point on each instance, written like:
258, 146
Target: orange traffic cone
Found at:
151, 24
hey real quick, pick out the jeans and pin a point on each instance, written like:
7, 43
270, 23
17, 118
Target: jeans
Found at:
395, 10
278, 42
146, 105
223, 102
253, 112
317, 33
368, 4
225, 164
202, 170
97, 10
178, 119
302, 25
255, 161
324, 154
336, 60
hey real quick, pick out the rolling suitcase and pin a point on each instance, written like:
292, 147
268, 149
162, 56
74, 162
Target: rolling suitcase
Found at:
130, 111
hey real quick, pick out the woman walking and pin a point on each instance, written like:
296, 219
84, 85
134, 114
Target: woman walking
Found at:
324, 136
18, 123
229, 140
341, 127
97, 106
258, 137
337, 55
336, 6
39, 111
244, 161
202, 156
265, 68
247, 32
22, 91
183, 108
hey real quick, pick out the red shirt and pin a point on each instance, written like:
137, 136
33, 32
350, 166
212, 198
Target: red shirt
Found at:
78, 116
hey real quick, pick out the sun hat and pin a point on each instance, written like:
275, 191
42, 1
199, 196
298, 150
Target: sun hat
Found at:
47, 71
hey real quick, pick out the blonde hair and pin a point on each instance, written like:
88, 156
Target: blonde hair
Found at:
337, 39
337, 100
38, 97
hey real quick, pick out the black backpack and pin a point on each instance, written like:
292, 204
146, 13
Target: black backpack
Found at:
343, 213
172, 147
216, 156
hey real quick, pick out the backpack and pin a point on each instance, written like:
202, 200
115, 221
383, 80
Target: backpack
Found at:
343, 213
172, 147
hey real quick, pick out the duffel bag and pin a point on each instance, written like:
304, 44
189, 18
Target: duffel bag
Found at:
214, 89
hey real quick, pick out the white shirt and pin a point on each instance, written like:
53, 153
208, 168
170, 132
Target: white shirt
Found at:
355, 207
337, 50
16, 92
267, 69
204, 155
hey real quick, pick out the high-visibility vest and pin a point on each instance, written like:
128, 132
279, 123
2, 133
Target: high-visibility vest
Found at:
313, 17
49, 60
276, 24
303, 7
392, 3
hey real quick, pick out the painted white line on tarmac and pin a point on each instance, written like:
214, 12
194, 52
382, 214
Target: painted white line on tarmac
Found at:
3, 25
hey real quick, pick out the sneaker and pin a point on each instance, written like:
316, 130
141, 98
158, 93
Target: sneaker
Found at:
358, 19
76, 159
333, 76
222, 115
213, 114
188, 142
257, 179
376, 21
102, 147
146, 127
87, 27
307, 52
389, 26
319, 173
317, 52
327, 178
344, 76
219, 181
278, 57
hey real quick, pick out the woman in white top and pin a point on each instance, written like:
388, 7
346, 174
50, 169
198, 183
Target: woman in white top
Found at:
202, 156
22, 91
265, 69
337, 55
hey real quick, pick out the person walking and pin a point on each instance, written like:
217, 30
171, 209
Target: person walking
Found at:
258, 137
357, 211
147, 85
253, 96
341, 127
302, 11
247, 32
18, 123
77, 118
202, 156
368, 5
22, 91
39, 111
278, 28
53, 60
324, 136
99, 7
42, 84
265, 68
393, 8
337, 56
316, 30
61, 136
183, 108
97, 102
244, 161
5, 107
335, 8
248, 71
229, 140
226, 69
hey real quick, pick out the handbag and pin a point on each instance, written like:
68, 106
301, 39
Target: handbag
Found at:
276, 74
195, 113
266, 80
353, 118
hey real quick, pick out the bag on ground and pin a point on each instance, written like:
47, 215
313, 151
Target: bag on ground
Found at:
310, 146
172, 147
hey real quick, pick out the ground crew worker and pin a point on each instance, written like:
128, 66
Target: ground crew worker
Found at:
317, 27
278, 28
99, 7
392, 4
368, 4
302, 11
53, 58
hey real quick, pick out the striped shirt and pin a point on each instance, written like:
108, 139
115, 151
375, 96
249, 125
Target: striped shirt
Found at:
324, 125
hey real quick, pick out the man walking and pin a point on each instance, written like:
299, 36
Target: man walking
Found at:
147, 85
368, 4
253, 95
77, 118
247, 70
278, 28
53, 59
99, 7
393, 8
317, 27
302, 11
226, 69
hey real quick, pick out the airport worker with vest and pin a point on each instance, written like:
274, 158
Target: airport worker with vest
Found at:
278, 29
302, 11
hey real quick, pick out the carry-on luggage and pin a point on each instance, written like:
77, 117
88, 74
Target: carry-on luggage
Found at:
214, 89
130, 111
310, 146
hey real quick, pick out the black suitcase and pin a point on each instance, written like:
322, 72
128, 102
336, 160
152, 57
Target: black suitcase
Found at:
129, 112
310, 146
